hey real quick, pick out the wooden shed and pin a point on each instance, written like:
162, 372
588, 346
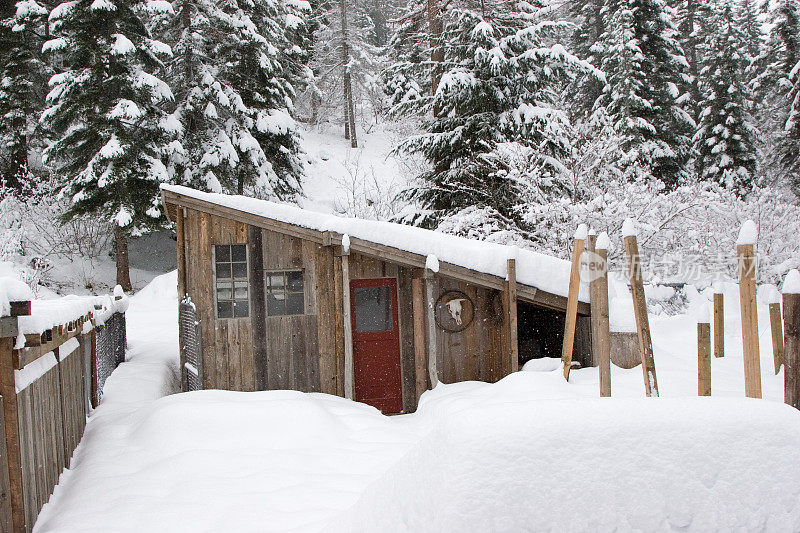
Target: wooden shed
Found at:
287, 298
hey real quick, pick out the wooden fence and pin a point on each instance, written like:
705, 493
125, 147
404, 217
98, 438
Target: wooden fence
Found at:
47, 388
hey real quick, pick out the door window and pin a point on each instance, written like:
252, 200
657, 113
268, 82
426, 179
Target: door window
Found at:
373, 309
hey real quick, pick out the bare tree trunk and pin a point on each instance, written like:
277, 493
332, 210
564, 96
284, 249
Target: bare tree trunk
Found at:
435, 29
123, 267
348, 87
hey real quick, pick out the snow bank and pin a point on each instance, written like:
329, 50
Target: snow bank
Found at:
534, 269
588, 465
12, 290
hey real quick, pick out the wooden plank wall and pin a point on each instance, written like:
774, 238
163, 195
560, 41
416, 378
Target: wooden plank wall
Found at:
227, 344
479, 352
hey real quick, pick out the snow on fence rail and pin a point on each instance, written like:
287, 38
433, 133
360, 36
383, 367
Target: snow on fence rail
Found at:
54, 358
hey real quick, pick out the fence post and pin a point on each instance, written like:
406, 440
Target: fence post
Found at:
776, 325
11, 422
640, 307
704, 355
791, 323
579, 239
601, 334
719, 325
747, 299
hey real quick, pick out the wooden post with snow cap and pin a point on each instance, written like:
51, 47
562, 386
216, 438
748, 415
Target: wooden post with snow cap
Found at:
745, 245
578, 242
431, 268
703, 354
791, 324
640, 307
719, 323
347, 324
598, 294
776, 325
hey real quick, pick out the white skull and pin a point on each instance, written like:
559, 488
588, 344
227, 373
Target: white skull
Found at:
454, 306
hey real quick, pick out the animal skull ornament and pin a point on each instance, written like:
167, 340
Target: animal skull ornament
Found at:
454, 311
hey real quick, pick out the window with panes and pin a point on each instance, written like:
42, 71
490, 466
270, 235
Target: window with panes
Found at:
230, 273
284, 291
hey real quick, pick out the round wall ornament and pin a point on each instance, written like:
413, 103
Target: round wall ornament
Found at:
454, 311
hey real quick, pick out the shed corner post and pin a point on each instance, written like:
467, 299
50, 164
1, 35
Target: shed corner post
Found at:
511, 297
430, 322
349, 385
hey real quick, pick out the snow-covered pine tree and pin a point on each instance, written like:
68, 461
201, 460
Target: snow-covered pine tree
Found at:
497, 93
407, 76
645, 70
23, 82
106, 107
236, 134
726, 137
776, 89
585, 90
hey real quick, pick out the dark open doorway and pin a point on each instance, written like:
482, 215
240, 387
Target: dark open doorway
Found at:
540, 333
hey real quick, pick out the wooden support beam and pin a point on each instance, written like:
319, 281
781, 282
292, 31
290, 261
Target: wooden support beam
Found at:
747, 302
703, 358
719, 325
12, 442
776, 325
349, 382
420, 366
572, 300
640, 313
430, 323
181, 248
791, 324
511, 289
601, 333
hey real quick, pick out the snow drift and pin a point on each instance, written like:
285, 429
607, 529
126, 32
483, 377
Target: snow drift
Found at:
595, 465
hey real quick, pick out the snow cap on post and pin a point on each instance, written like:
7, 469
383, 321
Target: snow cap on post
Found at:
346, 244
118, 292
581, 232
603, 242
432, 263
629, 228
791, 284
748, 234
592, 232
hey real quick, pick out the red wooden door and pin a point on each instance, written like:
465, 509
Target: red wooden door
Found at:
376, 343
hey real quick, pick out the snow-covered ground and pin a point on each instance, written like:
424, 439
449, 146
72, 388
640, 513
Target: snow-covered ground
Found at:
530, 452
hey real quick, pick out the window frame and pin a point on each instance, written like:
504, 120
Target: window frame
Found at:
232, 280
285, 292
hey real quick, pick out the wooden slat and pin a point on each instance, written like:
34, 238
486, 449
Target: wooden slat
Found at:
640, 314
12, 433
20, 308
258, 312
572, 307
6, 523
430, 326
420, 348
407, 355
601, 335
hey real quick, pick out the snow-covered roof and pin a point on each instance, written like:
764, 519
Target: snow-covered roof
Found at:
544, 272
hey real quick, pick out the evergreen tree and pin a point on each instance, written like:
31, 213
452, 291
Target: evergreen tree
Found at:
725, 139
234, 75
776, 89
23, 78
497, 94
645, 69
106, 106
585, 91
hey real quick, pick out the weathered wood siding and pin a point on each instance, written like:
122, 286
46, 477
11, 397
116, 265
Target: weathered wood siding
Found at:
227, 344
478, 352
